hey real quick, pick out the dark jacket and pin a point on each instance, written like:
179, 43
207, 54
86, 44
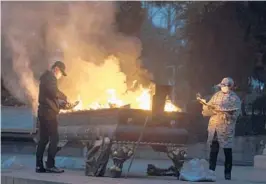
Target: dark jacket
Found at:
49, 95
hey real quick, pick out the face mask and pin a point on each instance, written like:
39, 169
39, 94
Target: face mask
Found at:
225, 89
58, 74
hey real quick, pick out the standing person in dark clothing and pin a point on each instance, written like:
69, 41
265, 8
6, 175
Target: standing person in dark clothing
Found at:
49, 106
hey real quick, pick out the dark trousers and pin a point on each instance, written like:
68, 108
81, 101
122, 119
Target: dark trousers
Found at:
48, 132
214, 154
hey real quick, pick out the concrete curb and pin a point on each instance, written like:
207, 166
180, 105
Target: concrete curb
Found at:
15, 180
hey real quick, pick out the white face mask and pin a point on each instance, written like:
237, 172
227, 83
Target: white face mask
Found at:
225, 89
58, 74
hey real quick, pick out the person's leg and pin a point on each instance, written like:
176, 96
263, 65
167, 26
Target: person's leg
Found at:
52, 150
228, 163
44, 138
214, 152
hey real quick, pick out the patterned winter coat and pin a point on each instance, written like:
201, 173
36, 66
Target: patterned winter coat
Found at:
221, 122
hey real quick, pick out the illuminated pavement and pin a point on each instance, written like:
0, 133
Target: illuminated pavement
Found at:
21, 167
18, 168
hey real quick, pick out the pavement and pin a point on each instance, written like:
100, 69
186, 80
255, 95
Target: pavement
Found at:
20, 119
18, 169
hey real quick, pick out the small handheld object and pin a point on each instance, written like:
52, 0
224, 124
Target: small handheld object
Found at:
67, 105
201, 100
75, 103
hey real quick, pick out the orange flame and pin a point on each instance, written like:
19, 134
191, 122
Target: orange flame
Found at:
143, 101
109, 90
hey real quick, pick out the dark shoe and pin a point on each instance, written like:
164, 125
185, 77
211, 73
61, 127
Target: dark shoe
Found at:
40, 170
227, 176
54, 170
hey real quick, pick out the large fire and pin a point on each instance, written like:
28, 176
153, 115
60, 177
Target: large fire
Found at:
143, 101
116, 97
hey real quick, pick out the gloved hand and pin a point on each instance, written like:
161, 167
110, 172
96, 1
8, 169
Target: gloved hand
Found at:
205, 108
67, 105
62, 103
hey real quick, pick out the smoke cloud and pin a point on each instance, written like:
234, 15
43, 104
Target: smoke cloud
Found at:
82, 34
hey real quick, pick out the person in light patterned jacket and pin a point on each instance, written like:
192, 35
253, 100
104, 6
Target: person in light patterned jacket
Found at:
223, 108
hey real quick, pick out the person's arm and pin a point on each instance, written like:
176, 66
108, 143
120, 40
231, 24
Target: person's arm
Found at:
53, 90
236, 113
62, 95
207, 111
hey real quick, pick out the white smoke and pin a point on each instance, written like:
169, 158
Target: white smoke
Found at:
83, 31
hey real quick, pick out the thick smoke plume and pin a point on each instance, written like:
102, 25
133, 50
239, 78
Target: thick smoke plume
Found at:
82, 34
